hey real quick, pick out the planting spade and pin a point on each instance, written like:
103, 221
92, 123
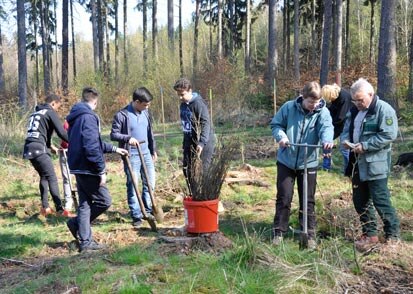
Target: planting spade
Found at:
146, 216
157, 211
304, 232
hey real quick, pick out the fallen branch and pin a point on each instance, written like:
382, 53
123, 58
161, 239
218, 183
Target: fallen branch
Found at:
245, 181
18, 262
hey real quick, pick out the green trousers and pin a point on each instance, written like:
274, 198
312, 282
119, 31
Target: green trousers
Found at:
374, 195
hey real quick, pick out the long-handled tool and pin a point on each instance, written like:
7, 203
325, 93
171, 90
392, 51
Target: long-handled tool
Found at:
157, 211
73, 190
146, 216
304, 233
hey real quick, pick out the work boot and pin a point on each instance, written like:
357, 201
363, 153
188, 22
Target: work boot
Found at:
136, 224
46, 211
366, 243
93, 246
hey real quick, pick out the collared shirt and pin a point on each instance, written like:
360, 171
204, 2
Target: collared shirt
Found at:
358, 123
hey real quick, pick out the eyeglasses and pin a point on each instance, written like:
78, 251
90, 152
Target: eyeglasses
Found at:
357, 100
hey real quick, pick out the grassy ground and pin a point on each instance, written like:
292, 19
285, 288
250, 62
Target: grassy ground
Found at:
38, 255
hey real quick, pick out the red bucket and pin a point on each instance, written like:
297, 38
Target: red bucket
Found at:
201, 216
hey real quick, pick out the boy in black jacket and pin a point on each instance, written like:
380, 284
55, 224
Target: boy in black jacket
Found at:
86, 160
42, 123
199, 139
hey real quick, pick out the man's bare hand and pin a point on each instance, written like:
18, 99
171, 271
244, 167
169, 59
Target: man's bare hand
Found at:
284, 142
328, 146
122, 151
54, 149
133, 141
102, 179
358, 148
198, 150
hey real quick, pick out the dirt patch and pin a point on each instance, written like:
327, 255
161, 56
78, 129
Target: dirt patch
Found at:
178, 241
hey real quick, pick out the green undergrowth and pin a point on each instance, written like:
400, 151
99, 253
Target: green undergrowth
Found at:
143, 265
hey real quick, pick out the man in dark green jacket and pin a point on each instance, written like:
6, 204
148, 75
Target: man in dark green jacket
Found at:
370, 129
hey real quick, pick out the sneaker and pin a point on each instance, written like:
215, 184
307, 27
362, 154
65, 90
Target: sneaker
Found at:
136, 224
312, 244
46, 211
93, 246
73, 228
66, 213
366, 243
277, 240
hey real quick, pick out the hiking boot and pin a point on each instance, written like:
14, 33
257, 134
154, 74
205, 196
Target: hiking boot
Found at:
66, 213
46, 211
312, 244
277, 240
73, 228
136, 224
149, 217
366, 243
93, 246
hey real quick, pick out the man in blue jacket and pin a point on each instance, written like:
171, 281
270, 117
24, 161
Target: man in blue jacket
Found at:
132, 125
86, 160
199, 139
303, 120
370, 129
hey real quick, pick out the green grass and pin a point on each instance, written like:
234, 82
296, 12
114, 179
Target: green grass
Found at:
138, 263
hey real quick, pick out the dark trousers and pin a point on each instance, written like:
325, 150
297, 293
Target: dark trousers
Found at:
93, 201
48, 180
189, 157
374, 194
285, 189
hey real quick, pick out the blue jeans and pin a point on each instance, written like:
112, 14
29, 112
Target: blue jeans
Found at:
135, 210
93, 201
346, 155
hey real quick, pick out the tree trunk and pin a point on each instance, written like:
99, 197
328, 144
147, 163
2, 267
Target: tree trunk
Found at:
116, 8
170, 24
155, 29
326, 42
196, 33
73, 42
65, 46
288, 56
145, 35
21, 55
272, 42
314, 42
372, 29
57, 44
45, 46
2, 83
296, 40
125, 31
410, 94
101, 34
220, 29
339, 41
247, 59
347, 47
386, 65
94, 19
285, 24
181, 57
35, 30
107, 65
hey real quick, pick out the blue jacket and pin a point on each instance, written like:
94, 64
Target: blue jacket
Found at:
86, 148
300, 127
121, 132
378, 131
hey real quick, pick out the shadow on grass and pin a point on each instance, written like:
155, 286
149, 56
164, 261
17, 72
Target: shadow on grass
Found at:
17, 244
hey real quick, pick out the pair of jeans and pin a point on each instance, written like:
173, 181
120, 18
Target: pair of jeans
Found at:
368, 195
64, 167
48, 180
137, 167
285, 189
94, 199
